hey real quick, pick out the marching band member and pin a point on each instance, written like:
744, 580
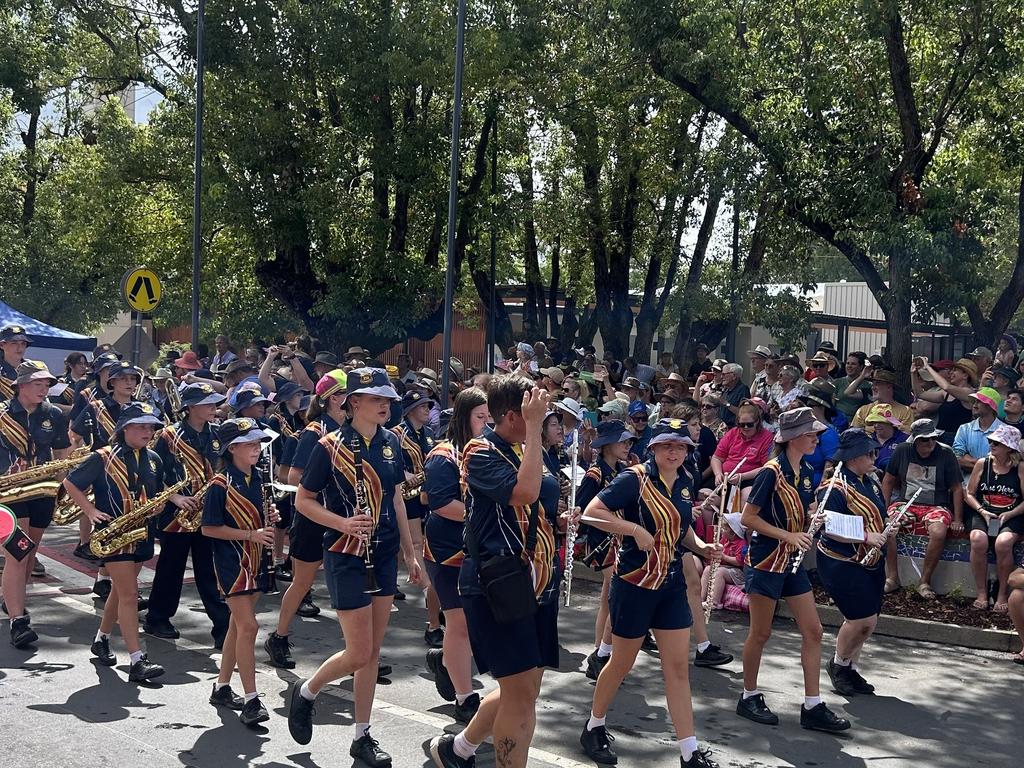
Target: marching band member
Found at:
613, 443
855, 589
650, 508
287, 422
417, 439
512, 514
189, 448
95, 384
13, 343
452, 664
233, 517
76, 364
123, 474
777, 512
326, 414
32, 431
352, 485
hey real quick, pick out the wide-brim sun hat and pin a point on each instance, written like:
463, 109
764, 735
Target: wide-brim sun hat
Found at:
673, 431
371, 381
1006, 435
797, 422
854, 443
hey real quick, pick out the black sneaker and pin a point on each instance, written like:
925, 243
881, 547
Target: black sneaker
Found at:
143, 603
279, 650
649, 644
821, 718
163, 629
755, 709
464, 712
282, 572
712, 656
434, 638
596, 744
82, 552
101, 588
442, 680
442, 749
368, 750
699, 759
38, 569
399, 594
3, 607
300, 714
101, 650
253, 713
595, 664
22, 634
307, 608
842, 683
860, 685
225, 697
144, 670
383, 670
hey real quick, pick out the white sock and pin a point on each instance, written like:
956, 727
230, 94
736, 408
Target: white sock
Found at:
854, 665
460, 698
136, 656
218, 686
250, 696
604, 650
305, 693
100, 635
463, 747
361, 730
750, 694
101, 577
841, 661
687, 747
595, 722
701, 647
810, 702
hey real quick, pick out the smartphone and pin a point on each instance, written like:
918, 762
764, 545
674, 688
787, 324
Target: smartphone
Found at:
591, 418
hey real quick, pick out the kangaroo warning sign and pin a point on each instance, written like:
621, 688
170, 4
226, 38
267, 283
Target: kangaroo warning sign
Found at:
141, 289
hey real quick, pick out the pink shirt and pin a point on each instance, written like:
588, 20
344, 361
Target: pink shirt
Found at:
733, 447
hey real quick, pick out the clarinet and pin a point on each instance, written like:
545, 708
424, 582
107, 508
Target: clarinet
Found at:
267, 556
371, 586
570, 529
819, 517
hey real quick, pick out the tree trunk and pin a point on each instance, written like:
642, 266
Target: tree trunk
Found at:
534, 310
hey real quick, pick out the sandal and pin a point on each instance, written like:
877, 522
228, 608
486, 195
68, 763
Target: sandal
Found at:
980, 605
925, 591
1001, 607
891, 585
1018, 658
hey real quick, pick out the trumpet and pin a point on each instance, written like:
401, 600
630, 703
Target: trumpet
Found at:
190, 520
891, 525
371, 586
132, 526
412, 487
39, 481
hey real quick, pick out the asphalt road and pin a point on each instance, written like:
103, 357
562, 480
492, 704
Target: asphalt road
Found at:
935, 706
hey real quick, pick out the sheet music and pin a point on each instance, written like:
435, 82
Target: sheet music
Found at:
844, 526
580, 474
57, 389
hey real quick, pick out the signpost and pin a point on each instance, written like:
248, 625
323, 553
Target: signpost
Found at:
142, 291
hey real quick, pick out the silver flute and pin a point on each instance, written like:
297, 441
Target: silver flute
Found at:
891, 525
819, 517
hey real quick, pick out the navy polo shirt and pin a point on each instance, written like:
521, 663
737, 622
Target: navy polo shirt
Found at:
215, 505
47, 429
142, 471
7, 372
640, 496
330, 472
491, 466
597, 478
860, 496
423, 441
782, 495
443, 537
309, 437
87, 424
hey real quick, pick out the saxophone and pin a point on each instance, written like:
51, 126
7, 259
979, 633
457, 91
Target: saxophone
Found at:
67, 511
190, 521
132, 526
39, 481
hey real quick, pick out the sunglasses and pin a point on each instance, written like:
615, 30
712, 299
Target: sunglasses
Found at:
819, 365
746, 424
709, 407
638, 418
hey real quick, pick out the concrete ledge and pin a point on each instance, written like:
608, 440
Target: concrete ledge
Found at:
928, 631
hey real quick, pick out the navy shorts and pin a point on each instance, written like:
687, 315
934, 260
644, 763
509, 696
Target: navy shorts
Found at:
776, 585
856, 590
414, 510
38, 511
508, 649
346, 579
306, 542
445, 580
143, 552
285, 511
633, 610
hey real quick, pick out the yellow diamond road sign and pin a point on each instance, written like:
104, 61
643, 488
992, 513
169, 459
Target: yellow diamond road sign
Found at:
141, 289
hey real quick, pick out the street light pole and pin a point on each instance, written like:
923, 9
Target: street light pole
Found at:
453, 202
492, 314
197, 203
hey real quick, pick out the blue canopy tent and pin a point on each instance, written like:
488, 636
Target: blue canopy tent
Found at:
49, 344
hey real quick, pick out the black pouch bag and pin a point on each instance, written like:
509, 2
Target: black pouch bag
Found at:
506, 580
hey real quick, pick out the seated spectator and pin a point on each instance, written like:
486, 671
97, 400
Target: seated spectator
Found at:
711, 381
701, 364
786, 392
1013, 408
703, 438
614, 409
747, 440
759, 357
995, 495
734, 543
525, 359
710, 418
663, 403
819, 399
665, 366
927, 465
883, 385
733, 392
677, 385
1006, 351
971, 441
847, 405
551, 379
888, 433
631, 386
982, 357
949, 402
638, 424
1016, 607
821, 365
541, 355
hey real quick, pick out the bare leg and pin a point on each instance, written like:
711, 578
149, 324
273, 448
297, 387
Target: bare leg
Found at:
366, 676
762, 612
243, 624
227, 655
852, 636
1005, 543
1016, 603
15, 574
806, 614
303, 576
936, 541
517, 717
458, 657
691, 570
601, 624
892, 570
124, 594
979, 564
624, 651
674, 649
433, 604
357, 632
481, 727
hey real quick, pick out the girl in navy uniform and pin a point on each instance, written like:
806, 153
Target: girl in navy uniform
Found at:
325, 415
507, 487
93, 386
452, 664
855, 589
13, 343
286, 421
32, 431
352, 485
613, 443
650, 507
777, 511
233, 517
417, 439
122, 475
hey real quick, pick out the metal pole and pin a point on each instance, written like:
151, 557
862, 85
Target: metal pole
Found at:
493, 311
136, 338
453, 202
197, 204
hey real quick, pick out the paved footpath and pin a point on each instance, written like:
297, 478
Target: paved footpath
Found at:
936, 706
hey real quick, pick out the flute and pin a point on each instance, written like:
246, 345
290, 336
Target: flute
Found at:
892, 524
571, 526
715, 562
819, 517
